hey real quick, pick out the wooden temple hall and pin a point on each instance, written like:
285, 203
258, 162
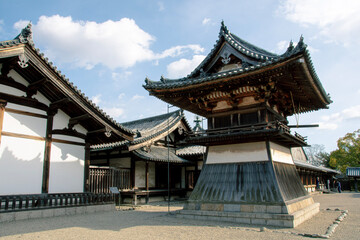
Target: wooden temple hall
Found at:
246, 94
57, 148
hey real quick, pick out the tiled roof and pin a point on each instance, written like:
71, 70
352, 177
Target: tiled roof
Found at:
149, 128
159, 154
263, 59
315, 168
25, 37
191, 150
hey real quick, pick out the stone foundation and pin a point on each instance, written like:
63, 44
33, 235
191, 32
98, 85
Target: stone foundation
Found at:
54, 212
290, 214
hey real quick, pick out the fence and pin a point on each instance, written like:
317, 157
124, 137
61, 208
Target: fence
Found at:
10, 203
102, 178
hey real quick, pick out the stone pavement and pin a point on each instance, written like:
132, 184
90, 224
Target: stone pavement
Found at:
153, 222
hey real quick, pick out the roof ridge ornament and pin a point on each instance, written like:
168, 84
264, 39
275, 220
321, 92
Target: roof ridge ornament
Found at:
291, 46
301, 43
25, 35
224, 28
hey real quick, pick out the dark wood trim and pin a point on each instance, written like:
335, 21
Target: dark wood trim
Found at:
2, 110
57, 104
76, 120
68, 142
47, 155
147, 180
29, 102
11, 110
68, 132
86, 168
110, 156
9, 134
132, 173
9, 81
35, 85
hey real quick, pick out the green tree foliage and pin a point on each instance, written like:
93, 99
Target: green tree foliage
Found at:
348, 152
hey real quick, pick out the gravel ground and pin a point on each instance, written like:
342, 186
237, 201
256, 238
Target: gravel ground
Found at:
153, 222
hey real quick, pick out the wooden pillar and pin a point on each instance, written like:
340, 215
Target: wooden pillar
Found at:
147, 180
86, 167
132, 173
2, 110
47, 154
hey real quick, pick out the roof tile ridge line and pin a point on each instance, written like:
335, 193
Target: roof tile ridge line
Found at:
212, 51
28, 39
157, 133
234, 36
153, 117
158, 159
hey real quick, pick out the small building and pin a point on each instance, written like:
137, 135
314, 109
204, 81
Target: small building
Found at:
353, 173
46, 124
148, 159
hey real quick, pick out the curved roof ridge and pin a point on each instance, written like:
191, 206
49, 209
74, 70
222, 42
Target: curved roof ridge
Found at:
25, 37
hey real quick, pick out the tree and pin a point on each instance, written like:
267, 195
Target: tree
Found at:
348, 152
317, 156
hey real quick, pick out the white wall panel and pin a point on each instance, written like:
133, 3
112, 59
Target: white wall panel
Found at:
24, 108
17, 77
139, 174
280, 153
61, 120
237, 153
66, 168
23, 124
11, 90
21, 165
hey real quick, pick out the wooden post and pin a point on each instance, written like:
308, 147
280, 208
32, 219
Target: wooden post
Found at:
132, 173
86, 167
147, 181
47, 154
2, 110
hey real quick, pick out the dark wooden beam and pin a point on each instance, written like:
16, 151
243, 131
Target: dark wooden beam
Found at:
303, 126
33, 87
9, 81
86, 168
29, 102
75, 120
57, 104
2, 110
69, 132
47, 155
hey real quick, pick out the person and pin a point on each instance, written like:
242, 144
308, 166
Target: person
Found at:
339, 186
328, 184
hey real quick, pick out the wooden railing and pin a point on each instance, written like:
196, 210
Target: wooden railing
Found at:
10, 203
102, 178
246, 128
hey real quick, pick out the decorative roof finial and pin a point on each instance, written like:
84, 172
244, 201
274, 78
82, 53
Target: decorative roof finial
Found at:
291, 46
163, 79
224, 28
25, 35
301, 43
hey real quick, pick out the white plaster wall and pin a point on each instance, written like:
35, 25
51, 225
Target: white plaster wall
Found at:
24, 108
11, 90
280, 153
66, 168
298, 154
21, 165
22, 124
17, 77
120, 162
68, 138
61, 120
237, 153
41, 98
139, 174
80, 129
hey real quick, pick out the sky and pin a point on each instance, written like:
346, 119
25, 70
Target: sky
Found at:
108, 48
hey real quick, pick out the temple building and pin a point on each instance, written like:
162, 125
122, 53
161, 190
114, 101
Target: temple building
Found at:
47, 126
246, 93
144, 162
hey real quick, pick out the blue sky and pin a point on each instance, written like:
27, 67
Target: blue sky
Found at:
107, 48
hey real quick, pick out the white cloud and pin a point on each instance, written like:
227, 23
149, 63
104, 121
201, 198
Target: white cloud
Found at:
206, 21
282, 46
19, 25
120, 76
115, 44
183, 66
114, 111
331, 122
137, 97
337, 21
161, 6
121, 96
96, 99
